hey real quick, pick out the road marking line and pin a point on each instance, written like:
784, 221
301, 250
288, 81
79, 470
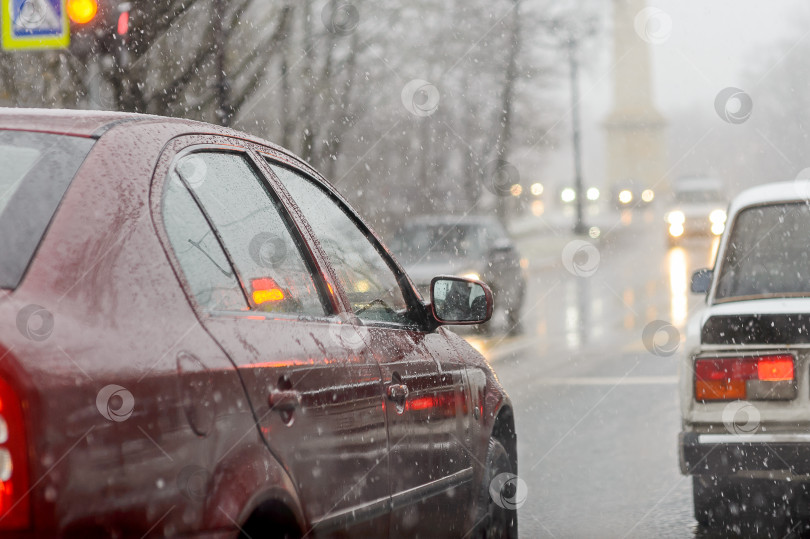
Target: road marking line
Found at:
609, 381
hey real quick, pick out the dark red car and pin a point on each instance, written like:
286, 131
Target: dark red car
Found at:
199, 336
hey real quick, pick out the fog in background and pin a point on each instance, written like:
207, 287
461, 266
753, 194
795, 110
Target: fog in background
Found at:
762, 48
431, 107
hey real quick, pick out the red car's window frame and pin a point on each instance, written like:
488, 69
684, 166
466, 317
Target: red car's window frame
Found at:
172, 154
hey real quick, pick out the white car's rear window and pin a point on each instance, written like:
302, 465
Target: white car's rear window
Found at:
768, 253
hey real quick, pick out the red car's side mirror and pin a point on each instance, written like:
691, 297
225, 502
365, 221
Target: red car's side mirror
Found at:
460, 301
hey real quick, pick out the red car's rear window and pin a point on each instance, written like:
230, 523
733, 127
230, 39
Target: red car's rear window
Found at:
35, 172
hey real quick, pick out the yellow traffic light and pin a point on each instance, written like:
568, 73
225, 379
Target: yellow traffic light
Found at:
82, 11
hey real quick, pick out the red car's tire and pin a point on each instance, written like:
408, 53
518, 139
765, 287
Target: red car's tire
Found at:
496, 520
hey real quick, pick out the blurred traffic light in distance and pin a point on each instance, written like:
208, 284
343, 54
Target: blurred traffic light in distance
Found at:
82, 11
123, 23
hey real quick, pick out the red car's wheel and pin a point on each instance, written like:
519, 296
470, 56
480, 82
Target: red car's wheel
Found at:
497, 517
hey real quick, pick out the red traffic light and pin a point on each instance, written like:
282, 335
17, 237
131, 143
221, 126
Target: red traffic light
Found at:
123, 23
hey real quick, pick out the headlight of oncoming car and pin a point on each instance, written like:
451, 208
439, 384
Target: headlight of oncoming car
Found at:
676, 217
718, 220
717, 216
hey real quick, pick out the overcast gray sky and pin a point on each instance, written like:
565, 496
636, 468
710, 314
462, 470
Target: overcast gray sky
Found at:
711, 42
708, 49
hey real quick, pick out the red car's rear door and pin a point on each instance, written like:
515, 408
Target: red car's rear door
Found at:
317, 401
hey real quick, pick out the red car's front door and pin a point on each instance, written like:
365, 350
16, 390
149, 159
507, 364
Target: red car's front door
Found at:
428, 432
427, 401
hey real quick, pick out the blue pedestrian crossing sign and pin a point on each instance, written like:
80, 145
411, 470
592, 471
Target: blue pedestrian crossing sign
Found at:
34, 24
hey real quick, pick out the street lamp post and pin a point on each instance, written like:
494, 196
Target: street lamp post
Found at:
579, 224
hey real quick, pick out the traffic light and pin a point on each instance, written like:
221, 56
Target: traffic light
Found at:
82, 11
98, 26
123, 23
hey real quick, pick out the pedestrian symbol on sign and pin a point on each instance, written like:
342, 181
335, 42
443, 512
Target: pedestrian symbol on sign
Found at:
32, 17
34, 24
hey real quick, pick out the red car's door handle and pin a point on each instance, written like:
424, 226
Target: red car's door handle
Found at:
397, 392
284, 400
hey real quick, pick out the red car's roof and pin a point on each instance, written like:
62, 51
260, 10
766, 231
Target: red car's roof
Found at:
96, 122
90, 123
69, 122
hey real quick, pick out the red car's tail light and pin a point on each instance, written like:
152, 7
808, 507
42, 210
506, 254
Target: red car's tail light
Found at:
740, 378
14, 499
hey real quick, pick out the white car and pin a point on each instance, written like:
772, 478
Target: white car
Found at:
744, 384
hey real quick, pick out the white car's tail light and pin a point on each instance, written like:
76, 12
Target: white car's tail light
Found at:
14, 495
770, 377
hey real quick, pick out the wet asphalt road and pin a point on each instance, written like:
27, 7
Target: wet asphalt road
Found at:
597, 413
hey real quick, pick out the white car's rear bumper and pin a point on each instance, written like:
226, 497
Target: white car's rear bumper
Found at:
729, 454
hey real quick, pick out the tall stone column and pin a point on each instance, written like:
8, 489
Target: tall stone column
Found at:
636, 145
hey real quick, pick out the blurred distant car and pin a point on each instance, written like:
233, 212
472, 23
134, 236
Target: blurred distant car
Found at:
744, 379
698, 209
568, 195
630, 194
200, 338
477, 247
